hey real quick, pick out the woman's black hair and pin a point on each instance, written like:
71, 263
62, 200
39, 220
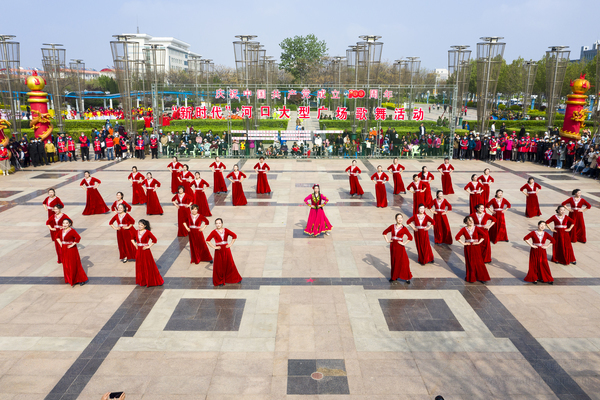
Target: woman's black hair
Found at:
574, 192
59, 206
186, 166
438, 192
479, 205
531, 178
423, 168
121, 205
69, 220
558, 208
415, 176
396, 217
473, 176
149, 173
134, 167
541, 222
146, 224
466, 219
420, 205
176, 159
219, 219
86, 172
194, 207
52, 190
499, 190
122, 195
486, 169
180, 187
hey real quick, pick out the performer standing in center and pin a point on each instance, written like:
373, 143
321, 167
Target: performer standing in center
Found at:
224, 268
55, 224
399, 262
417, 188
123, 224
72, 268
497, 206
380, 178
120, 201
175, 167
200, 199
562, 251
576, 205
539, 270
441, 227
484, 222
153, 206
397, 170
183, 202
446, 170
262, 183
485, 180
426, 177
136, 179
185, 180
474, 188
353, 172
195, 224
532, 205
475, 267
317, 221
51, 201
236, 177
421, 224
219, 183
94, 203
146, 271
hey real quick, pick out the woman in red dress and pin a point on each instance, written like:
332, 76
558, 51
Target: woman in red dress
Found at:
94, 203
198, 184
485, 180
120, 201
123, 224
317, 220
146, 271
136, 180
421, 224
446, 170
153, 204
183, 202
195, 224
576, 205
484, 222
532, 205
262, 183
397, 176
539, 270
175, 168
417, 189
497, 206
72, 268
399, 262
219, 183
236, 177
353, 172
185, 179
55, 224
562, 251
224, 269
51, 201
426, 177
380, 178
476, 270
474, 189
441, 227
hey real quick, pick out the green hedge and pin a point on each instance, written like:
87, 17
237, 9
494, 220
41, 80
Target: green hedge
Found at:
341, 125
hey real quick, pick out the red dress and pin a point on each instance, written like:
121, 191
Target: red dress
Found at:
380, 192
94, 203
262, 183
198, 247
50, 203
56, 223
538, 258
355, 187
447, 178
498, 232
578, 231
476, 270
399, 262
238, 197
139, 197
185, 176
146, 271
532, 205
219, 184
175, 167
124, 235
422, 237
72, 268
224, 269
153, 204
475, 197
200, 197
417, 196
427, 197
116, 204
441, 227
183, 212
397, 177
480, 222
485, 181
562, 250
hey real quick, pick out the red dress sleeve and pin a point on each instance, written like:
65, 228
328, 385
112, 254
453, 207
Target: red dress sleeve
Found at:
152, 237
346, 170
530, 236
388, 230
230, 175
460, 233
229, 233
258, 166
406, 232
243, 174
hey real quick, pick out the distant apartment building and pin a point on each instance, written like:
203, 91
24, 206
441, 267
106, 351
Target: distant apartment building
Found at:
587, 53
177, 51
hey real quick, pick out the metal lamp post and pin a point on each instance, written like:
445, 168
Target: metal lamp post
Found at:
557, 59
194, 66
77, 68
9, 80
489, 61
155, 56
125, 54
53, 59
459, 66
528, 82
414, 64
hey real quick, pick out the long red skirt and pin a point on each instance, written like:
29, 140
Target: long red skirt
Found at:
57, 247
182, 216
417, 199
399, 262
476, 270
578, 231
238, 198
475, 199
153, 205
485, 195
427, 197
174, 181
532, 206
187, 188
423, 246
126, 248
219, 185
72, 268
441, 229
398, 184
224, 269
198, 247
447, 184
381, 194
262, 184
146, 271
486, 247
202, 203
94, 203
562, 249
139, 197
498, 232
538, 266
355, 187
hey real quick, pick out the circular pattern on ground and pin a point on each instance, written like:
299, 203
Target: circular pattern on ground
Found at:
317, 376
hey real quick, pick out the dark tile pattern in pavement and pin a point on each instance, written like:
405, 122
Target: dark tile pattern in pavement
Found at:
330, 377
207, 315
426, 315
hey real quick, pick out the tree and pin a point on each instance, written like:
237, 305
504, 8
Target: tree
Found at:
108, 84
300, 53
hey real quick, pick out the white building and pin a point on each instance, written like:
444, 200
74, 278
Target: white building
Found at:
177, 51
441, 74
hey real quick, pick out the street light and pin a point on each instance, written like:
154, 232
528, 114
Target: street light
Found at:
126, 54
528, 82
489, 61
557, 59
77, 68
53, 59
9, 79
414, 64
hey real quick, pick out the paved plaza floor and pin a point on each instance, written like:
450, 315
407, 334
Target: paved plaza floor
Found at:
314, 318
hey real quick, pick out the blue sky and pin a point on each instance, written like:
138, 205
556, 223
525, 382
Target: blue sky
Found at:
425, 29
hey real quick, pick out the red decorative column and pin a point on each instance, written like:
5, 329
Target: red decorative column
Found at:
575, 114
41, 120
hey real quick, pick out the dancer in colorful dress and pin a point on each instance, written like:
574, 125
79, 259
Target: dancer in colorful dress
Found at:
262, 183
380, 178
198, 184
421, 223
195, 224
441, 227
94, 203
426, 177
317, 221
397, 170
224, 268
51, 201
485, 180
418, 190
484, 222
236, 177
219, 183
562, 251
123, 224
446, 170
153, 206
55, 224
475, 189
118, 201
539, 240
497, 206
471, 238
576, 206
146, 271
136, 179
183, 202
71, 261
532, 205
399, 262
175, 167
185, 179
353, 172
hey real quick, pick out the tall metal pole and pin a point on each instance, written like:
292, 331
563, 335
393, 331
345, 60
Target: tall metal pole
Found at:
10, 61
55, 67
80, 70
412, 61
